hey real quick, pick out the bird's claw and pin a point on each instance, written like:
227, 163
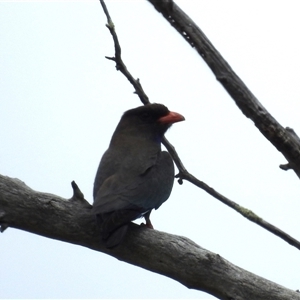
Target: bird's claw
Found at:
150, 226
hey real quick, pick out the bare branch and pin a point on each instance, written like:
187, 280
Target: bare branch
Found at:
173, 256
120, 66
249, 214
285, 141
183, 173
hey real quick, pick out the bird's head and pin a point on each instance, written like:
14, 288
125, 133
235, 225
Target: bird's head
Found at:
151, 120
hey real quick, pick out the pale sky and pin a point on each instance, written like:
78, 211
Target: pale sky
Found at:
61, 101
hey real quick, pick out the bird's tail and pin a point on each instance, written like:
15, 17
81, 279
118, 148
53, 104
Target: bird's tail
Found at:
116, 237
114, 225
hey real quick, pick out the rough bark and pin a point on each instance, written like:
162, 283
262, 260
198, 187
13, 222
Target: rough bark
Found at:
170, 255
284, 139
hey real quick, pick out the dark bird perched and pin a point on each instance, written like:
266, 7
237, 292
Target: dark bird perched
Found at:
134, 175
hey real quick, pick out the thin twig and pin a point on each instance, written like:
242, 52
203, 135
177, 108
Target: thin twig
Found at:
249, 214
183, 173
120, 66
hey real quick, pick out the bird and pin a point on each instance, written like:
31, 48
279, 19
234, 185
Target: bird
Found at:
134, 175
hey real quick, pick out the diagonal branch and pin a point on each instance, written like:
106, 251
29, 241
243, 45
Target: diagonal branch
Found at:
183, 173
284, 139
120, 66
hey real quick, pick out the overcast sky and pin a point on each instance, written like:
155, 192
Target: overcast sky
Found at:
60, 103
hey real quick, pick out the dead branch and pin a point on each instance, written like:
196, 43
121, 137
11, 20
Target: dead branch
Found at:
173, 256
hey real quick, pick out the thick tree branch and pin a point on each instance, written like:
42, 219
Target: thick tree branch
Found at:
283, 139
183, 172
170, 255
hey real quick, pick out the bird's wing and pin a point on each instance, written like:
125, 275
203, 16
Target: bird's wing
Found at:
141, 191
124, 197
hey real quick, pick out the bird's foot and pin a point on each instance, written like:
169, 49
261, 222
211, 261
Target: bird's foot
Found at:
148, 225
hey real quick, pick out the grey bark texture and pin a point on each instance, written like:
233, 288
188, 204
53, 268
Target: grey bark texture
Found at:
284, 139
174, 256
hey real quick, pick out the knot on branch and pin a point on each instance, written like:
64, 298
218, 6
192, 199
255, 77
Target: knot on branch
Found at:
78, 196
180, 177
110, 25
285, 167
292, 132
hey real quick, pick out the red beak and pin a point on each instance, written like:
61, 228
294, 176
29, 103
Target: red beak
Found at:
171, 117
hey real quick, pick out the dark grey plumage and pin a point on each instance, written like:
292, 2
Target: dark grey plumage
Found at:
134, 175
